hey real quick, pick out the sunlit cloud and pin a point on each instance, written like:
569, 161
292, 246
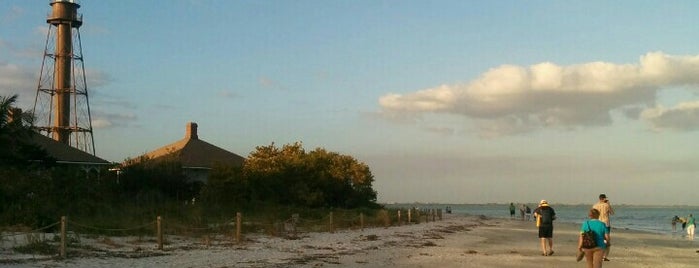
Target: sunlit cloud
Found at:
42, 30
514, 99
96, 78
105, 120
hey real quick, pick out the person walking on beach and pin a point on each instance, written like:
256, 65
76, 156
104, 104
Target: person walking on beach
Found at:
690, 227
545, 215
674, 222
594, 256
512, 210
605, 210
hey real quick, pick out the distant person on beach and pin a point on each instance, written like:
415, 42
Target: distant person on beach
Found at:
594, 256
521, 211
545, 215
528, 212
605, 210
690, 227
512, 210
674, 222
684, 223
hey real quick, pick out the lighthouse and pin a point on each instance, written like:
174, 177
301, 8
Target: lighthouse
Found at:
61, 107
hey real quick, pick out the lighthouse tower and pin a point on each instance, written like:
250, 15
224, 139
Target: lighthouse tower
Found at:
61, 108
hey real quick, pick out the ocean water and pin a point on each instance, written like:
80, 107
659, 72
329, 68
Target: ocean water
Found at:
656, 219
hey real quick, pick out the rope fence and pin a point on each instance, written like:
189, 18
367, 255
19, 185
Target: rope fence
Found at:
64, 236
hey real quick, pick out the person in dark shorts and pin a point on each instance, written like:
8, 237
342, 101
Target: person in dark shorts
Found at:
545, 215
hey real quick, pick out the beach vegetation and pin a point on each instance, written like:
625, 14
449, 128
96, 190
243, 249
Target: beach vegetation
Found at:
272, 185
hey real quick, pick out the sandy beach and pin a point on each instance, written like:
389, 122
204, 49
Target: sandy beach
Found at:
455, 241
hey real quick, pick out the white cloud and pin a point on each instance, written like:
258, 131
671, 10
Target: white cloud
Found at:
103, 120
96, 78
98, 123
15, 79
685, 116
512, 99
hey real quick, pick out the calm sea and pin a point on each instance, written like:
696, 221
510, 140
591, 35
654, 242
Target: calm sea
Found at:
655, 219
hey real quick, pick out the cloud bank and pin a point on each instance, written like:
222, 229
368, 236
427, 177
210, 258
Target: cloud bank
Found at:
513, 99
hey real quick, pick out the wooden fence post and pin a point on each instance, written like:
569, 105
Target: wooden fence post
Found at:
238, 226
63, 237
361, 221
399, 217
332, 228
159, 230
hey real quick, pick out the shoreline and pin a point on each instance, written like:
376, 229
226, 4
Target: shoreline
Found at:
455, 241
679, 231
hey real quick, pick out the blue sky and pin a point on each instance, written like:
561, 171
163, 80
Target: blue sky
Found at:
446, 101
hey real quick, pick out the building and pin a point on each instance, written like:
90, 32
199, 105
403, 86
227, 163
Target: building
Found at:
197, 157
65, 154
60, 153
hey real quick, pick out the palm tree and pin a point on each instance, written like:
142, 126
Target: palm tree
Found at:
16, 135
5, 106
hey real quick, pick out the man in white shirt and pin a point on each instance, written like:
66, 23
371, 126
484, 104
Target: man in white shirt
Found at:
605, 210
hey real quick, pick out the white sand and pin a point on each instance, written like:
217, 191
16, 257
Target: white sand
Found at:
456, 241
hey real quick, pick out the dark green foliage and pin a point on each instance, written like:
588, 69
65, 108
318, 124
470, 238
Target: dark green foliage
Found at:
38, 198
16, 148
37, 193
156, 181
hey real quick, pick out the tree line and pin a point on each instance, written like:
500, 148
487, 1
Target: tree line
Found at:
34, 191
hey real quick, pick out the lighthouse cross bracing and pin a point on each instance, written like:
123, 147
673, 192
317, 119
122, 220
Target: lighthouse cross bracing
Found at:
61, 108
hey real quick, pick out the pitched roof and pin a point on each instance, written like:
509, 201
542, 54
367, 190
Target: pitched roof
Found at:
195, 153
66, 154
63, 153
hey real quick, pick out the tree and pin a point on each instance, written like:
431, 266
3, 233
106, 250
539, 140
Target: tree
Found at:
290, 175
226, 189
153, 181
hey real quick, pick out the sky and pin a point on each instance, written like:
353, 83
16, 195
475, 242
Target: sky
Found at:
445, 101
